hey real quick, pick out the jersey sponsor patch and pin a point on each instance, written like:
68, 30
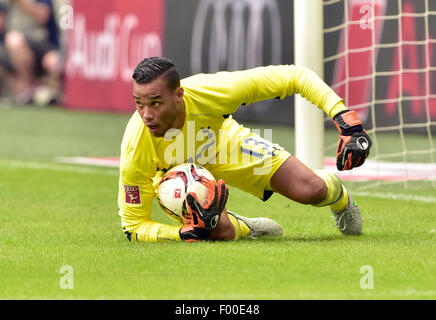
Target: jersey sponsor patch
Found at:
132, 194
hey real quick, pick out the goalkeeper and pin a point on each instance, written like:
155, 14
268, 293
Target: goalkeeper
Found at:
189, 120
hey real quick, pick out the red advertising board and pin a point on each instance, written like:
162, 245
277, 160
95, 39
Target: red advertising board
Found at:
108, 39
353, 71
404, 73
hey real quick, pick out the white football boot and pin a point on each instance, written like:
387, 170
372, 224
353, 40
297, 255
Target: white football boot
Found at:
349, 221
260, 227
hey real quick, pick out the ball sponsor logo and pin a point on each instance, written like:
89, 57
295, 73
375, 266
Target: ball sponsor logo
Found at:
177, 193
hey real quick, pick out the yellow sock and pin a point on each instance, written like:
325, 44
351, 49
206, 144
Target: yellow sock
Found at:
337, 194
241, 229
340, 205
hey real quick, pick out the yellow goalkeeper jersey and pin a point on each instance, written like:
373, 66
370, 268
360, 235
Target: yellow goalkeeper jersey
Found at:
207, 98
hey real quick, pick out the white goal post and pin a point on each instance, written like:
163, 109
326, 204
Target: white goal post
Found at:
309, 52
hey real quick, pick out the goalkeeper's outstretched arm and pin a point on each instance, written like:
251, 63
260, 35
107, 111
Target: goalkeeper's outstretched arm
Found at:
280, 81
354, 143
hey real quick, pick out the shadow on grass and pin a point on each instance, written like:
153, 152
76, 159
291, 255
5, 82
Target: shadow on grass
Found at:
311, 238
301, 238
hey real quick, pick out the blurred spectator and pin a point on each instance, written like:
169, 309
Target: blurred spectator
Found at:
30, 49
3, 12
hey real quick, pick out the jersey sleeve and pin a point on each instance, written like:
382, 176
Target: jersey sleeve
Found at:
136, 191
135, 199
233, 89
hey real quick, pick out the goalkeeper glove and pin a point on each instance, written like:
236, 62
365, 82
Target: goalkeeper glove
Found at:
189, 233
201, 219
354, 143
207, 215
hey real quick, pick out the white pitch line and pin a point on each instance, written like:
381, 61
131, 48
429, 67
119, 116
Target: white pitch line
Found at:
100, 162
391, 196
56, 167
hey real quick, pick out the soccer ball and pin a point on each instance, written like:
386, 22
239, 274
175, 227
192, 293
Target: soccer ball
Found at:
175, 186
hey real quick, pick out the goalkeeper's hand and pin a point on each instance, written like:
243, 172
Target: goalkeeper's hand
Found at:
354, 143
189, 233
203, 218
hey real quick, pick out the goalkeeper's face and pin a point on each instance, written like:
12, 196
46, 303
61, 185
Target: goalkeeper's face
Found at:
161, 108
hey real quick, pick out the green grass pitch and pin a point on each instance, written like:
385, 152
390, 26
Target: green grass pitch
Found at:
55, 215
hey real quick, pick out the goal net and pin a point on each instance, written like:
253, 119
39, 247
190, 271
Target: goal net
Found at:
380, 56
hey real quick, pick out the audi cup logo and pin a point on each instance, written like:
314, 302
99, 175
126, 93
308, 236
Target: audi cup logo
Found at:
232, 34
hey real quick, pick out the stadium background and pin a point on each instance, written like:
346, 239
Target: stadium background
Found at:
208, 36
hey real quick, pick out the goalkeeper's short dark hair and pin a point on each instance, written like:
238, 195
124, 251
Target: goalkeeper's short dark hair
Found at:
152, 68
